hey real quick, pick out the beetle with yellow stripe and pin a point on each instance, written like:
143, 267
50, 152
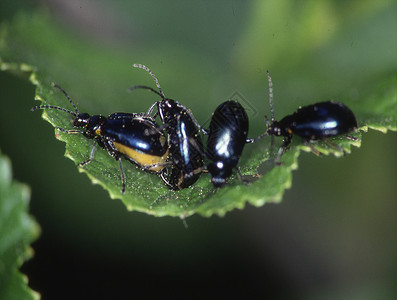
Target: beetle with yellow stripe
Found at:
135, 137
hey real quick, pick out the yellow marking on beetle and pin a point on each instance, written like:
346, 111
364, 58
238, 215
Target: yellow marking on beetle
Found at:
290, 131
145, 160
98, 131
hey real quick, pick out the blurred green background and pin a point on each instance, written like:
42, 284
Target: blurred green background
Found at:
332, 237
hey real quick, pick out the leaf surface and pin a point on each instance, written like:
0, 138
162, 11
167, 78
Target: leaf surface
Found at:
34, 47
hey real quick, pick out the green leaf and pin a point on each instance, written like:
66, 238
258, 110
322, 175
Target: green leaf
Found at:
17, 231
97, 78
378, 110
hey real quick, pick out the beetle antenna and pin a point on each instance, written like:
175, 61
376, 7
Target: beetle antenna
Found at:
66, 95
153, 76
146, 88
53, 107
268, 124
270, 96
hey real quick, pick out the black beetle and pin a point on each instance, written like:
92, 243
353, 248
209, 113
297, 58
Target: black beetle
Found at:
135, 137
227, 136
313, 122
183, 138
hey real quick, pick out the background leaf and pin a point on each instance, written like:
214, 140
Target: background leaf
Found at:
17, 231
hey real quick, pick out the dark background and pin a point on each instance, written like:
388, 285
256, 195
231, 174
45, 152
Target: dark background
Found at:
333, 235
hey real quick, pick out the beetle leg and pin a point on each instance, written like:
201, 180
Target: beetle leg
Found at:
151, 109
283, 148
147, 168
335, 146
248, 179
122, 176
84, 163
352, 138
166, 181
203, 130
314, 150
73, 131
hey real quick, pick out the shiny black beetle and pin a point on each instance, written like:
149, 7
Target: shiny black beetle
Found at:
313, 122
186, 159
136, 137
227, 136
